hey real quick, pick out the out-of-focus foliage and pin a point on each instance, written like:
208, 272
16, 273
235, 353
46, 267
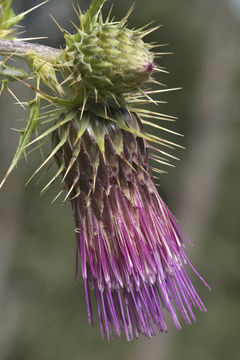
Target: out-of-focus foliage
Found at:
52, 322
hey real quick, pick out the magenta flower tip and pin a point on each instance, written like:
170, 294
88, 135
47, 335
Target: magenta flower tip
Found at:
149, 67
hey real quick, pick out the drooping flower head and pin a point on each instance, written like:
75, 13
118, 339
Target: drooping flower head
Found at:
130, 248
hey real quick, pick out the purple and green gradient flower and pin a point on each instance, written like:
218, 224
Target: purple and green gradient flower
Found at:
131, 247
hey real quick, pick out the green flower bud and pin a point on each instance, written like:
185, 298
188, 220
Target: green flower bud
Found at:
108, 58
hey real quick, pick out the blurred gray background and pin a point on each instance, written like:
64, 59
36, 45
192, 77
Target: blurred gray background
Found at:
42, 310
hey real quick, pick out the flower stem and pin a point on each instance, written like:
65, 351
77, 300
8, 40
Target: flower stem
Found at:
23, 49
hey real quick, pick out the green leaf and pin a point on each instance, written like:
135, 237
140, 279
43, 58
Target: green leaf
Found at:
8, 18
5, 12
8, 73
25, 135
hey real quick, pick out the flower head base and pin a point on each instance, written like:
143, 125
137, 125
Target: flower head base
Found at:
131, 247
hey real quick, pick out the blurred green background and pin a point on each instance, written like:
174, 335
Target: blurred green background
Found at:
42, 310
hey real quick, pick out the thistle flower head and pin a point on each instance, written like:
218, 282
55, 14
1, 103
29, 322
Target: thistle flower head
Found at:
130, 246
